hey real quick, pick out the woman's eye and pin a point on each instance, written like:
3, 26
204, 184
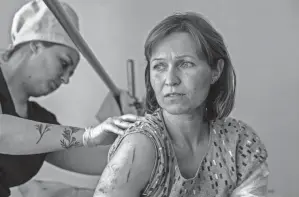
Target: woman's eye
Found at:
159, 66
64, 64
186, 64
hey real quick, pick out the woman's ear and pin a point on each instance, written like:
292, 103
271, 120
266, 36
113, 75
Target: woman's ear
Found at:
35, 47
216, 72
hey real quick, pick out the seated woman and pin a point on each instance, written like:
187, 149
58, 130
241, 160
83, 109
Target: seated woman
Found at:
187, 145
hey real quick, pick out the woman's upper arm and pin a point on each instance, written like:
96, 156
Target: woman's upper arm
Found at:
130, 168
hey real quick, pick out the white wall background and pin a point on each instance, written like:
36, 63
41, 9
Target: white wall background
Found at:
262, 37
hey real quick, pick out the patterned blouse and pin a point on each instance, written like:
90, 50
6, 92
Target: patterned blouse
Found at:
235, 164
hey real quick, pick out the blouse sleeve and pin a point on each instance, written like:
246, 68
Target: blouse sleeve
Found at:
252, 166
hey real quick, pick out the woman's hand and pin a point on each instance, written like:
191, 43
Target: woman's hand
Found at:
106, 132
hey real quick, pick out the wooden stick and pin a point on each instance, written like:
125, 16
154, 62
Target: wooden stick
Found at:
79, 41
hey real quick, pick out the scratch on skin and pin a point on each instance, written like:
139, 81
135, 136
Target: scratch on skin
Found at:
129, 173
118, 171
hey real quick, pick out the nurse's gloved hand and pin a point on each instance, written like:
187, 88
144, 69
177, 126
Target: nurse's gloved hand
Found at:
107, 131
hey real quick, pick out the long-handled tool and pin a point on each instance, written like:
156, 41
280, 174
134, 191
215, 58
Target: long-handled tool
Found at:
58, 11
131, 85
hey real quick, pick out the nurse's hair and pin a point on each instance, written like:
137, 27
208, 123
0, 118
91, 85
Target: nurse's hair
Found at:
8, 53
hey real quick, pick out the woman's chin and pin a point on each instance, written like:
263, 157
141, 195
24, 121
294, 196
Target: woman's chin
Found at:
177, 109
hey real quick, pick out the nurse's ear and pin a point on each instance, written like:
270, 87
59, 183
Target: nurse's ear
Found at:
36, 47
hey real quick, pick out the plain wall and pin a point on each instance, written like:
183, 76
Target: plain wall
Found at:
262, 37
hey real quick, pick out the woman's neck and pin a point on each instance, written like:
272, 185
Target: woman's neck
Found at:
187, 129
13, 78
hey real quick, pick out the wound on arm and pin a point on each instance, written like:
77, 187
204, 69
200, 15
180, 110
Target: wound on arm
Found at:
117, 172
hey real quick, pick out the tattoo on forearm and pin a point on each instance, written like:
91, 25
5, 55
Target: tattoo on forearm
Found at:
68, 140
117, 172
42, 129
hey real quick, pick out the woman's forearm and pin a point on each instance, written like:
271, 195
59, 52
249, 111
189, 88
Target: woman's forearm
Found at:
20, 136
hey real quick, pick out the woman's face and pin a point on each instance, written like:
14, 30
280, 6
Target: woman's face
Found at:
49, 67
180, 77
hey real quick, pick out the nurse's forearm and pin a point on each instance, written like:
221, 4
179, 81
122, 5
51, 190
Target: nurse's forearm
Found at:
20, 136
